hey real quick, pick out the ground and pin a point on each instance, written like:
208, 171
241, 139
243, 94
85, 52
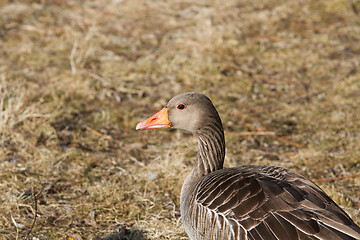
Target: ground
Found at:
77, 76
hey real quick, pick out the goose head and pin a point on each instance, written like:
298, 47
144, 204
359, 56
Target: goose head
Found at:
188, 111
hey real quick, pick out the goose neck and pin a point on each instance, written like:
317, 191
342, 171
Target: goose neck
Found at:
211, 143
210, 157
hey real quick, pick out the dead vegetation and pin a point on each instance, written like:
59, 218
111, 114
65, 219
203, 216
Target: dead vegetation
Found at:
76, 77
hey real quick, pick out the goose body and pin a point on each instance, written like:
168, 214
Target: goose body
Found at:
247, 202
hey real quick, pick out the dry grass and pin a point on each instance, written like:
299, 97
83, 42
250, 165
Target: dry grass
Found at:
70, 67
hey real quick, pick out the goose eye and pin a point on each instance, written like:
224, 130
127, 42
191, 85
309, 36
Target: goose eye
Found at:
180, 106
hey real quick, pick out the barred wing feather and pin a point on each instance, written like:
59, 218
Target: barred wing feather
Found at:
265, 202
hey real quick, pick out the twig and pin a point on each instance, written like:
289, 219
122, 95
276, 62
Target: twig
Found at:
137, 161
264, 133
286, 140
102, 135
72, 57
16, 225
35, 214
335, 178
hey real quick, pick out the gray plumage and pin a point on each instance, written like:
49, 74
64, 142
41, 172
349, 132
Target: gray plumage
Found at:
248, 202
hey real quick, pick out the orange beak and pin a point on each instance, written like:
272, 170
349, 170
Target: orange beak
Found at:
157, 121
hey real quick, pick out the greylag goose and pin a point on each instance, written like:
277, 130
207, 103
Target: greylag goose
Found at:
246, 202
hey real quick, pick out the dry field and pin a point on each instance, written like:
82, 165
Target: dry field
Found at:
76, 77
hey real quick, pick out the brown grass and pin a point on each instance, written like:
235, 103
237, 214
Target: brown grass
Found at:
70, 67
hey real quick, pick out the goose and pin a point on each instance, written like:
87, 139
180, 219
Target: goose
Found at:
248, 202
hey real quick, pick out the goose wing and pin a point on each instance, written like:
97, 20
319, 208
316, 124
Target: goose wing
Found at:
265, 202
